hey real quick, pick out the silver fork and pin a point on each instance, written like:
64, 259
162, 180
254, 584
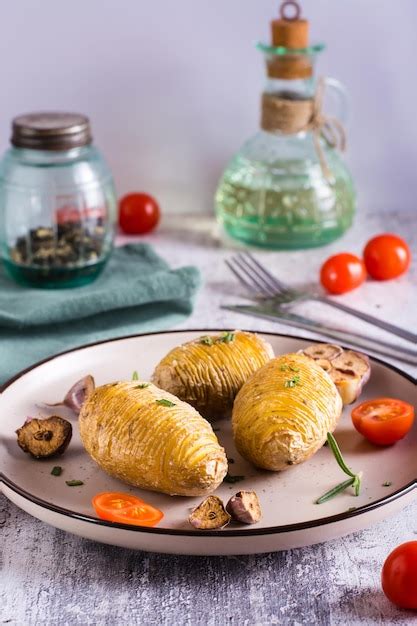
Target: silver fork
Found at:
264, 285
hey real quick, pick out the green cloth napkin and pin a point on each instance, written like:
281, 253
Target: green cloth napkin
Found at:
137, 292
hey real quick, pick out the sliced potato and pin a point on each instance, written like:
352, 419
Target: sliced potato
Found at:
282, 415
149, 438
209, 371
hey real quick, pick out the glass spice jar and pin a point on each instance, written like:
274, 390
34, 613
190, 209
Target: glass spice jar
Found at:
57, 202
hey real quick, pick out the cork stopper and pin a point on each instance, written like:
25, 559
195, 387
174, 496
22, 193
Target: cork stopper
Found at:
292, 32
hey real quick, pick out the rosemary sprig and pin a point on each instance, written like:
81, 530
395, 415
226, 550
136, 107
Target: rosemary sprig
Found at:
338, 455
353, 481
335, 491
135, 375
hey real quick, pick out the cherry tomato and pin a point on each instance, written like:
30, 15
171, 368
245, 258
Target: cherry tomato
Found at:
138, 214
399, 576
383, 421
125, 509
387, 257
342, 273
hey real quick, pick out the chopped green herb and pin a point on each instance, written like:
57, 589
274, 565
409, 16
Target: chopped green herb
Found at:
56, 471
294, 369
387, 484
142, 386
226, 338
135, 376
164, 402
74, 483
292, 382
233, 479
352, 508
284, 368
206, 341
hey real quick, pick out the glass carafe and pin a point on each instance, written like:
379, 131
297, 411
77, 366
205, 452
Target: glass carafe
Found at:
275, 192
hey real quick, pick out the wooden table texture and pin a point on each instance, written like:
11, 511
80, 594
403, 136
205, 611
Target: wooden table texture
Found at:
51, 578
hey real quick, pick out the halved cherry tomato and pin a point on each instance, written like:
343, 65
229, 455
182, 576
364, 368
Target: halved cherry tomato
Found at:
383, 421
387, 257
399, 576
139, 213
342, 273
125, 509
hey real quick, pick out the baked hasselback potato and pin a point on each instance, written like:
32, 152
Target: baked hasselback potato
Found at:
209, 371
151, 439
282, 415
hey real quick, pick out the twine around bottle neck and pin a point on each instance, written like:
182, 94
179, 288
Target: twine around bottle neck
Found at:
288, 116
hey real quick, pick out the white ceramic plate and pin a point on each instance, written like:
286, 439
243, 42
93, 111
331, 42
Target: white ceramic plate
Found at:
291, 519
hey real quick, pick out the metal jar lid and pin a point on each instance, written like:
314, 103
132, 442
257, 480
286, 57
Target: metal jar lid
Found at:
51, 131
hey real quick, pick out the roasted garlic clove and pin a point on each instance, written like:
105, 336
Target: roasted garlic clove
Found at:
43, 438
79, 393
324, 364
323, 351
348, 369
353, 363
245, 507
350, 372
210, 515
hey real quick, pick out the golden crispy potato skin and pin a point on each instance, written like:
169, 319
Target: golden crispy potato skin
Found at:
282, 415
169, 449
209, 375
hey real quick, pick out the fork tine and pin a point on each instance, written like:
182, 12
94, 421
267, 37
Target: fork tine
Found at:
267, 286
252, 278
241, 278
266, 273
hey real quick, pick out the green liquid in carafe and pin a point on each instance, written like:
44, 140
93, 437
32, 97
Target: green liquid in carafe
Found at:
284, 205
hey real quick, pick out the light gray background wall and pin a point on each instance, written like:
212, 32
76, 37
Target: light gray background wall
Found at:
172, 87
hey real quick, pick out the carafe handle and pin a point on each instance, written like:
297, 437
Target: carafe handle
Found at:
335, 86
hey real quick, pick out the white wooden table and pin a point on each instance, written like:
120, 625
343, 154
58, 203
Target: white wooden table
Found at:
50, 578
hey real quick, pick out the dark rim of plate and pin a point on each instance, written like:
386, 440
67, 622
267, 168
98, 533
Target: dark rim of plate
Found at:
249, 532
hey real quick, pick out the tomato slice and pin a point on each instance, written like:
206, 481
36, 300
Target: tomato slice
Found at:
139, 515
125, 509
383, 421
109, 503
